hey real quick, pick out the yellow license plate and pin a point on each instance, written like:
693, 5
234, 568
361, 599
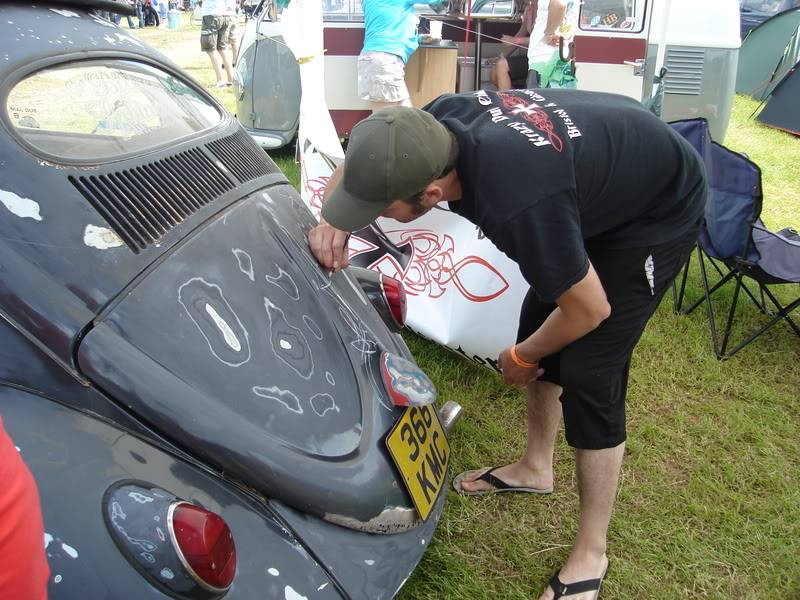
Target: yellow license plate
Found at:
421, 452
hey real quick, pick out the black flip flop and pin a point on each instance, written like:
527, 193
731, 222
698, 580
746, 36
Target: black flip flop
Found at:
561, 589
498, 484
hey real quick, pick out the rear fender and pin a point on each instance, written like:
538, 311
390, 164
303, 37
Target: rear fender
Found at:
75, 459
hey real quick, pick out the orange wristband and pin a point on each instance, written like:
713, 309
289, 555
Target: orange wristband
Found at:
519, 362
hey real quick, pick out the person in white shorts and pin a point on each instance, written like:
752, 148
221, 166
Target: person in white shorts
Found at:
390, 38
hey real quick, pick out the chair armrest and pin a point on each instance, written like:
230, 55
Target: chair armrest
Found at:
787, 234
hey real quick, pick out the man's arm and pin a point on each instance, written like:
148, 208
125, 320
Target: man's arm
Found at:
556, 13
328, 244
580, 310
546, 241
333, 181
512, 43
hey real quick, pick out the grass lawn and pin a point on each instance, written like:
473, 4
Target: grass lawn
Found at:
709, 501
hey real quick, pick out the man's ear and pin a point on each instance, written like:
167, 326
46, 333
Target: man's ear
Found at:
432, 195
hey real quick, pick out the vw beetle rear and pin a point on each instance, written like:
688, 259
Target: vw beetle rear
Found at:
206, 411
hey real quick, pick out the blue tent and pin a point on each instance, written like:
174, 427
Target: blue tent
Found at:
767, 53
783, 105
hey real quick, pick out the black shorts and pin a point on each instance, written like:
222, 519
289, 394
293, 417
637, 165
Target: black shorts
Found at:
521, 78
593, 371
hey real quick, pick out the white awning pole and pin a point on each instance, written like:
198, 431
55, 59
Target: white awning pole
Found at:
662, 36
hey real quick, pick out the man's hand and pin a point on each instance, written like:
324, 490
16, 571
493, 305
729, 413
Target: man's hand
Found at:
329, 246
513, 374
552, 39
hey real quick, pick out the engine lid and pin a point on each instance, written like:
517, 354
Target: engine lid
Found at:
241, 349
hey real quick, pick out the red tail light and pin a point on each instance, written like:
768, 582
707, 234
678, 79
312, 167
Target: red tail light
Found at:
204, 544
405, 382
395, 296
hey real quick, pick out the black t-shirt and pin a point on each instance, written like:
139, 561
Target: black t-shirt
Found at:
547, 174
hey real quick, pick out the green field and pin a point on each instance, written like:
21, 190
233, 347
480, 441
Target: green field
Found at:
709, 501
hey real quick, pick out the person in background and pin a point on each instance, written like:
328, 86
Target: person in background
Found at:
511, 69
542, 27
218, 16
233, 31
558, 21
150, 13
163, 10
23, 564
390, 38
117, 18
139, 12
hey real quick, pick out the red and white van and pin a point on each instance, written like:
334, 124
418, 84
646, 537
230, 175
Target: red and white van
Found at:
619, 46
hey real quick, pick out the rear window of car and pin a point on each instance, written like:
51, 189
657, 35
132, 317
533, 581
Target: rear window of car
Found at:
102, 110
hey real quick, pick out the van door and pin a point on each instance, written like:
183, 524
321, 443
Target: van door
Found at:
611, 46
343, 33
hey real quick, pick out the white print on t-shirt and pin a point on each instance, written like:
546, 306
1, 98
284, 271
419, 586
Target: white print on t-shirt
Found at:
536, 123
572, 129
650, 273
483, 98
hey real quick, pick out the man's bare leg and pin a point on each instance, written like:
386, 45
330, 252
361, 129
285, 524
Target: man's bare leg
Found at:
234, 50
214, 57
226, 59
501, 74
598, 475
535, 468
376, 106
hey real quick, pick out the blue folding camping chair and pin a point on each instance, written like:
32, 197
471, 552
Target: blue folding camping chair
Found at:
736, 243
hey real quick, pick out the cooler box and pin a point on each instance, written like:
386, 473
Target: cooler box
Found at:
174, 19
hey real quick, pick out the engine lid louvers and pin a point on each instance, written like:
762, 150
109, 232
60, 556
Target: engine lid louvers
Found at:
240, 154
143, 203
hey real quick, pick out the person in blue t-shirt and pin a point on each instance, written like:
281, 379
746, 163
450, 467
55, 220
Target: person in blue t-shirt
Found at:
390, 38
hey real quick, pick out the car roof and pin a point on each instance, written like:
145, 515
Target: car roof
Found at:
55, 32
117, 6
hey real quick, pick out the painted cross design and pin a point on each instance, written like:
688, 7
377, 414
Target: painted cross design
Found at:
432, 266
533, 114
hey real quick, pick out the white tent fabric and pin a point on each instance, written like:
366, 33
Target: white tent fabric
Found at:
301, 26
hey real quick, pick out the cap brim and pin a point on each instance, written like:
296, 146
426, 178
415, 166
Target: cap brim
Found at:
345, 211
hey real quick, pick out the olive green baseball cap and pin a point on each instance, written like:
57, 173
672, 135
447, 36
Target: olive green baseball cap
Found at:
392, 154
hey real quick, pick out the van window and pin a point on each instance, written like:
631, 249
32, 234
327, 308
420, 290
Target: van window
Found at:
616, 15
343, 10
103, 109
